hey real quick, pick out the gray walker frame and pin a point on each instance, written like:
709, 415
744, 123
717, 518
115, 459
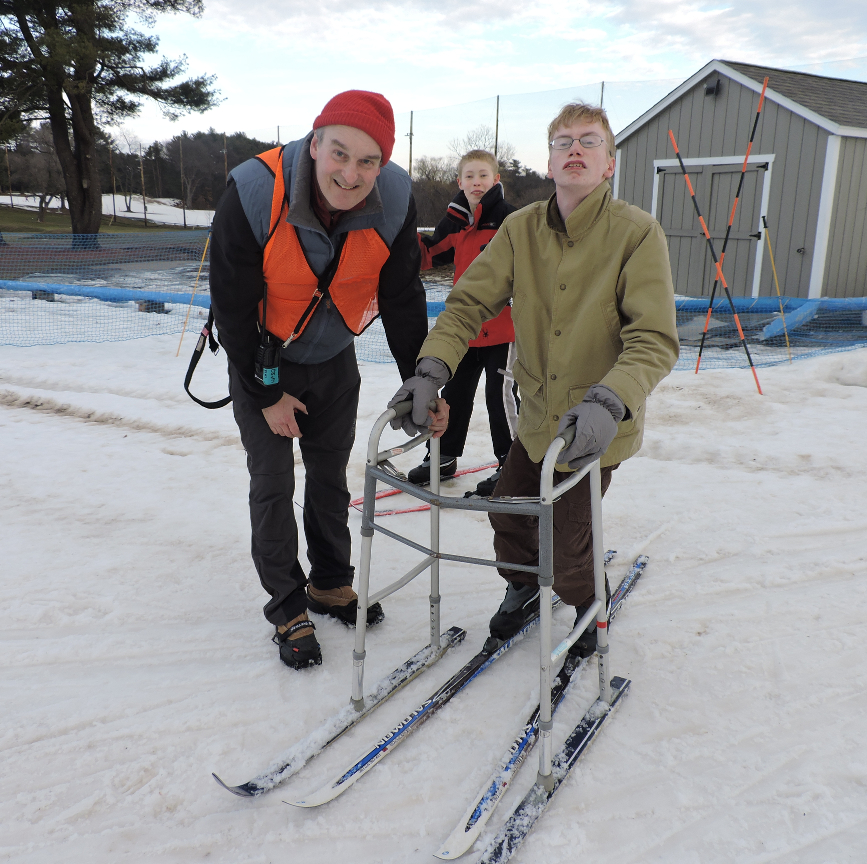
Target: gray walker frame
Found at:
541, 507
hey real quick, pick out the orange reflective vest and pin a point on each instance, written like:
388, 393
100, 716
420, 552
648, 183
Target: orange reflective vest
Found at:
294, 291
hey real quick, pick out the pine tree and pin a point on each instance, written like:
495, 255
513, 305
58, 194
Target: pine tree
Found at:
79, 64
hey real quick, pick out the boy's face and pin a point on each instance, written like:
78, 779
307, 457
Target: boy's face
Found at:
579, 170
347, 165
476, 179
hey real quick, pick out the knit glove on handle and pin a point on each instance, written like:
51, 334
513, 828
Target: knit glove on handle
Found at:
430, 375
595, 420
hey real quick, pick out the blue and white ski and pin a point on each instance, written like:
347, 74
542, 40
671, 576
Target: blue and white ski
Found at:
478, 664
294, 759
479, 812
519, 824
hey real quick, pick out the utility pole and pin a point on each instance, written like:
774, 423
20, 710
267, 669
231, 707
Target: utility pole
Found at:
143, 199
9, 174
183, 200
278, 136
602, 96
113, 188
225, 159
409, 135
497, 128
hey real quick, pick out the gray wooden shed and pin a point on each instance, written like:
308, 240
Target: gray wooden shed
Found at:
807, 174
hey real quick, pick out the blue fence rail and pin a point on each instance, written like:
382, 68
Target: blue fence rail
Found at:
61, 288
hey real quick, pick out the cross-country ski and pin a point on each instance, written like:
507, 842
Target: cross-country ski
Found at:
478, 813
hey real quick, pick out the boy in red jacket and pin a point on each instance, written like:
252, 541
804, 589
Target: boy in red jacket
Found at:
470, 222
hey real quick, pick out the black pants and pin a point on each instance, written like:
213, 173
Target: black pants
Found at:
330, 393
516, 538
460, 393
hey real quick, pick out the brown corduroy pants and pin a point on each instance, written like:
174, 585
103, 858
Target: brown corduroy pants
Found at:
516, 538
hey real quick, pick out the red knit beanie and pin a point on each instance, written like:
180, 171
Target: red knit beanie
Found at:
361, 109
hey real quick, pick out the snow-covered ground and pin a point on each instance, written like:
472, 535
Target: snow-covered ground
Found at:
160, 210
135, 659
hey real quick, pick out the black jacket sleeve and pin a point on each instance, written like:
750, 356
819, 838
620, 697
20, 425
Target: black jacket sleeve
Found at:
444, 228
402, 303
237, 286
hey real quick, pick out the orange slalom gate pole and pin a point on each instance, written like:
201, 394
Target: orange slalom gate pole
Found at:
716, 260
731, 221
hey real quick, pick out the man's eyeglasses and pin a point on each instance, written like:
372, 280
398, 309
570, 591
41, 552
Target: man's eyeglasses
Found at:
564, 142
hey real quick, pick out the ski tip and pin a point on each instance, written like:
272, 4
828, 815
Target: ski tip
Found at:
243, 791
307, 802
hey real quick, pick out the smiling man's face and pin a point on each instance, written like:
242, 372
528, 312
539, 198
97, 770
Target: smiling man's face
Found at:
347, 165
578, 170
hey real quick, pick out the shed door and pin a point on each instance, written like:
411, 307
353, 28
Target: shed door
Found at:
715, 186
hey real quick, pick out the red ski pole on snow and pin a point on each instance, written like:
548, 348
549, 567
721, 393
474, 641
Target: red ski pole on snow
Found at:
731, 220
716, 260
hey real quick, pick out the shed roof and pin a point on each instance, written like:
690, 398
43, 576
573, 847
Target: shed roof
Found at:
838, 99
832, 97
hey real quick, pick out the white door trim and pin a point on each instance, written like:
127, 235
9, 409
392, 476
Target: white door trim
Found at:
826, 210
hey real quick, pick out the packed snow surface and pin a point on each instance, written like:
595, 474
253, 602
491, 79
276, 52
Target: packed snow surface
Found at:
135, 659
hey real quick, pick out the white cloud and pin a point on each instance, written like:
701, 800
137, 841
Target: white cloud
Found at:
278, 61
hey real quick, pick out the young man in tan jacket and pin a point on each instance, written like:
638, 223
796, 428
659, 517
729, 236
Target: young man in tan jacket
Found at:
593, 308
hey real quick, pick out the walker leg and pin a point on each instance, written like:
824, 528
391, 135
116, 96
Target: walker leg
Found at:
435, 545
546, 582
599, 579
358, 653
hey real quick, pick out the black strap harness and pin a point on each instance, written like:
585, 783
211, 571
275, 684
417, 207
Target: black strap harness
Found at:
206, 337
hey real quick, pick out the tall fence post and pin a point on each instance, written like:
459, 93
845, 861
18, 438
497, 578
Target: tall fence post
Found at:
410, 135
144, 200
497, 128
9, 174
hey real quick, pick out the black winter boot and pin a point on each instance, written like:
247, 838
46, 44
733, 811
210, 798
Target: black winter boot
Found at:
586, 644
420, 475
520, 605
298, 646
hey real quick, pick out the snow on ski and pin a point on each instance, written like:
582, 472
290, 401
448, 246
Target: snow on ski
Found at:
479, 812
482, 661
519, 824
301, 753
478, 664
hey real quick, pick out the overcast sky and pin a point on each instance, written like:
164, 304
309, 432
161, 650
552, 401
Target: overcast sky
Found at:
278, 61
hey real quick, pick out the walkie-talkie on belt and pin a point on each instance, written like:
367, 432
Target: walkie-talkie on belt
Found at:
268, 352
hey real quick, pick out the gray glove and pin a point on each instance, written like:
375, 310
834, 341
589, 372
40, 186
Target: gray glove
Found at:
595, 420
430, 375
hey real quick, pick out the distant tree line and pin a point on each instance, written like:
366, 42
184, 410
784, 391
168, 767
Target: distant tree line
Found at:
190, 170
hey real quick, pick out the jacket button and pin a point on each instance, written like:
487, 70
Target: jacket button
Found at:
553, 377
556, 416
563, 287
570, 244
556, 332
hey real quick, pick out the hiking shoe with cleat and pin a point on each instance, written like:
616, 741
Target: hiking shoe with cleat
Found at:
420, 475
342, 604
297, 643
519, 606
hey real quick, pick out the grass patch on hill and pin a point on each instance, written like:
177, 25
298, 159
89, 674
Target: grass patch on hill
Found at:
19, 220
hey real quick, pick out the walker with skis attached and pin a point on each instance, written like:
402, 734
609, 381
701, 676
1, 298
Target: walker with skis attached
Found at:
553, 768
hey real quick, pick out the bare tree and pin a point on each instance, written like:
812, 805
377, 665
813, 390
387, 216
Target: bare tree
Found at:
482, 138
442, 169
36, 167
